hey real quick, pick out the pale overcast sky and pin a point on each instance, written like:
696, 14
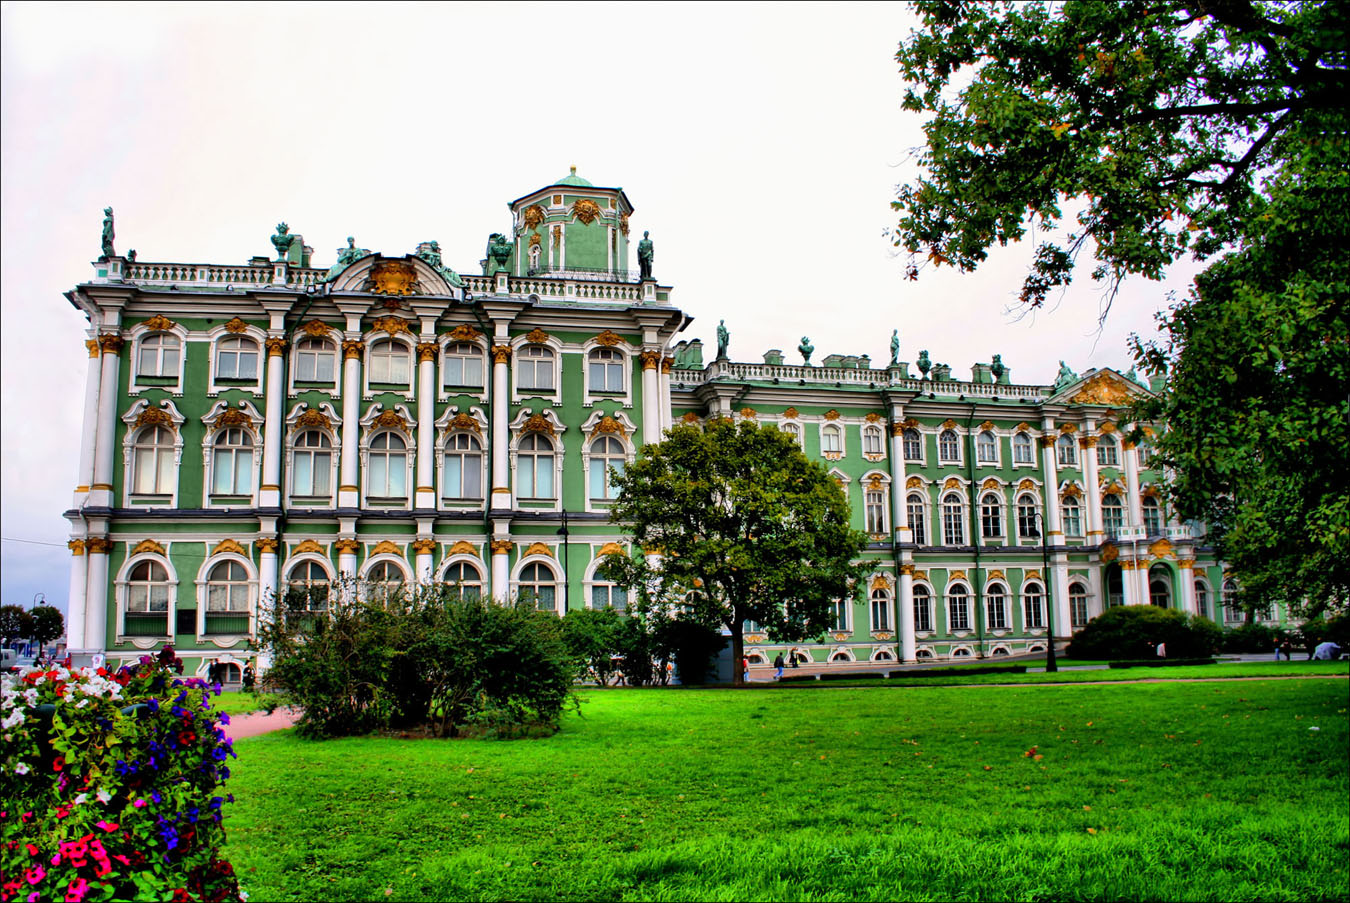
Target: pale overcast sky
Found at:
760, 144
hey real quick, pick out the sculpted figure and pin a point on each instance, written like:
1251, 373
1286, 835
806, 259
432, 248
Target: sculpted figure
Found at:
723, 338
500, 249
107, 232
1065, 376
806, 348
997, 367
895, 347
345, 257
645, 254
282, 240
924, 363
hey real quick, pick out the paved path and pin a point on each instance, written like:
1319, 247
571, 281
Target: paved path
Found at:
255, 723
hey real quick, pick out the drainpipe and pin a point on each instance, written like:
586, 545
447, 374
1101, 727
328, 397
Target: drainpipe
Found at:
976, 581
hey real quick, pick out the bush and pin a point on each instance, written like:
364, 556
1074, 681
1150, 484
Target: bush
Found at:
1253, 637
1335, 629
108, 785
1131, 632
422, 656
593, 638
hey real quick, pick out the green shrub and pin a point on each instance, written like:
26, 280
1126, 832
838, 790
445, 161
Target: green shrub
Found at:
1335, 629
593, 638
1130, 632
1255, 637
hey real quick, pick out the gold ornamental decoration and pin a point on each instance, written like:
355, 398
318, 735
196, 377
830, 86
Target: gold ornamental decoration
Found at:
537, 423
236, 326
1185, 563
148, 545
914, 483
907, 570
650, 359
1021, 427
609, 548
1109, 553
1072, 492
991, 483
313, 417
557, 236
536, 240
463, 421
1161, 549
749, 413
393, 277
316, 328
623, 223
232, 417
501, 546
347, 546
987, 425
875, 484
898, 429
536, 336
1032, 575
690, 417
608, 424
537, 548
880, 582
391, 419
1068, 428
1102, 389
391, 325
155, 417
424, 546
76, 547
229, 545
501, 354
1087, 441
98, 545
831, 414
110, 344
996, 575
463, 548
666, 364
957, 575
276, 347
464, 333
608, 338
308, 546
949, 424
873, 417
585, 210
159, 323
921, 575
267, 545
952, 483
790, 414
1045, 441
426, 351
533, 216
385, 547
1108, 427
352, 349
1026, 486
92, 345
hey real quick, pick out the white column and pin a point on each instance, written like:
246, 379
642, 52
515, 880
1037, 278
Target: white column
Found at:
426, 423
1087, 447
1135, 503
267, 578
1187, 578
348, 490
651, 396
79, 577
907, 613
90, 425
1053, 526
346, 549
1058, 582
501, 437
666, 415
501, 570
423, 549
269, 492
899, 511
101, 490
96, 597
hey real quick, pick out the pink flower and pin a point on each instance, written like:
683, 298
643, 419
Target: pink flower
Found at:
109, 826
76, 890
138, 804
35, 874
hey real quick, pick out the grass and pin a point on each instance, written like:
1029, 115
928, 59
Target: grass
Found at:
236, 702
1149, 791
1180, 672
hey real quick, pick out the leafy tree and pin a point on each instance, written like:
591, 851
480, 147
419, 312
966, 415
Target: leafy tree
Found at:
15, 624
48, 625
593, 638
746, 529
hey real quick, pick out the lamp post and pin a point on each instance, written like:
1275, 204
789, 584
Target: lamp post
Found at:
567, 583
1050, 663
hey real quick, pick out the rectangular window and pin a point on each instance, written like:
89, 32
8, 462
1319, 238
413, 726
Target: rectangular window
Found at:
881, 613
876, 512
839, 616
923, 612
462, 370
314, 366
959, 608
997, 612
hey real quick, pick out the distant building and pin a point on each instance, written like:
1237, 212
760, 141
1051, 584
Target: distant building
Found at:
252, 428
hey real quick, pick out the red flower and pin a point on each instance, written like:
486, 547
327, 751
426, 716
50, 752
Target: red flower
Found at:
180, 895
58, 763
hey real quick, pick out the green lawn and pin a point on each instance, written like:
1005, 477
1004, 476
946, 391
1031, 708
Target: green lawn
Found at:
1149, 791
1163, 672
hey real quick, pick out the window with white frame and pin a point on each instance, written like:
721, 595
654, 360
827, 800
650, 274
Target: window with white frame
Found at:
1232, 612
1152, 516
1108, 454
1159, 589
159, 355
958, 607
232, 462
1078, 604
534, 467
923, 609
872, 442
608, 595
463, 474
237, 358
986, 447
1026, 516
794, 430
949, 447
383, 582
390, 363
916, 512
147, 611
538, 584
387, 473
1073, 516
1113, 515
315, 361
152, 462
1202, 598
1033, 606
1066, 451
831, 439
227, 590
881, 609
534, 368
462, 366
839, 610
606, 454
605, 367
1145, 453
874, 510
991, 515
953, 520
312, 465
1022, 449
912, 440
996, 607
1115, 587
463, 581
308, 587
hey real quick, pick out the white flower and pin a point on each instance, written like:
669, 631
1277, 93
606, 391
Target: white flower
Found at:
103, 796
80, 799
22, 768
13, 719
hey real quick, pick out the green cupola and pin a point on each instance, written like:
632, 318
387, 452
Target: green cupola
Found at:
569, 227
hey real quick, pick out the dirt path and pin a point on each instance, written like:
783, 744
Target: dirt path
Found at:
256, 723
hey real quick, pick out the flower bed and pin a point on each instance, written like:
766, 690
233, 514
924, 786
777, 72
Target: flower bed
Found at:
109, 785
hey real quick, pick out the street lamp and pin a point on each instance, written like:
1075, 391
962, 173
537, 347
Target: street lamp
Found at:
1050, 663
567, 583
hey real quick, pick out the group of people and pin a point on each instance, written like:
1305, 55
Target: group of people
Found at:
778, 665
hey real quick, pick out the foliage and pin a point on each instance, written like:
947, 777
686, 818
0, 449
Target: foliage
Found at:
15, 623
423, 655
1317, 631
109, 785
639, 647
1254, 637
48, 625
1130, 632
747, 528
681, 796
593, 636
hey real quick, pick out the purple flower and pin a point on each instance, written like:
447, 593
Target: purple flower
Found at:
224, 717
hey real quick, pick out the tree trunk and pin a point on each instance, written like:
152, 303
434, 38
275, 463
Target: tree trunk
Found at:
738, 650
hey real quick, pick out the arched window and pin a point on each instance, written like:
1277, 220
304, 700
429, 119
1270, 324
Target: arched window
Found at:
1115, 587
315, 361
1078, 604
1231, 610
1033, 606
1152, 516
831, 439
534, 467
1073, 516
147, 600
874, 510
1066, 450
996, 607
539, 584
1022, 453
953, 520
390, 363
383, 581
958, 607
463, 581
1159, 589
232, 462
312, 470
1107, 454
961, 652
949, 447
1202, 598
307, 588
463, 476
1113, 515
227, 599
923, 654
153, 462
1145, 453
387, 476
794, 430
605, 368
991, 515
923, 609
871, 440
1027, 510
881, 609
986, 447
462, 366
916, 512
608, 595
913, 442
534, 367
158, 355
606, 453
237, 358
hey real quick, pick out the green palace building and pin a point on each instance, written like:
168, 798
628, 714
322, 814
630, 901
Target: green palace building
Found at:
258, 426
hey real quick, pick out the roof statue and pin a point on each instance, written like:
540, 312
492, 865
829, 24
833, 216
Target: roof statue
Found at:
108, 232
997, 367
430, 251
282, 240
806, 348
723, 339
1064, 378
645, 254
895, 348
346, 256
924, 363
1134, 377
499, 252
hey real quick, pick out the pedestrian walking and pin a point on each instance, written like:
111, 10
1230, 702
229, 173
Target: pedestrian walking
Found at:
778, 667
745, 668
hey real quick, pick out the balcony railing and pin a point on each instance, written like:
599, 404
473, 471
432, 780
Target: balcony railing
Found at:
226, 623
142, 624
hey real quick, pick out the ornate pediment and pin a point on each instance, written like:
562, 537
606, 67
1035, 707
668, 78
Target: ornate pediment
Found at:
229, 545
385, 547
236, 326
1105, 388
308, 546
464, 548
